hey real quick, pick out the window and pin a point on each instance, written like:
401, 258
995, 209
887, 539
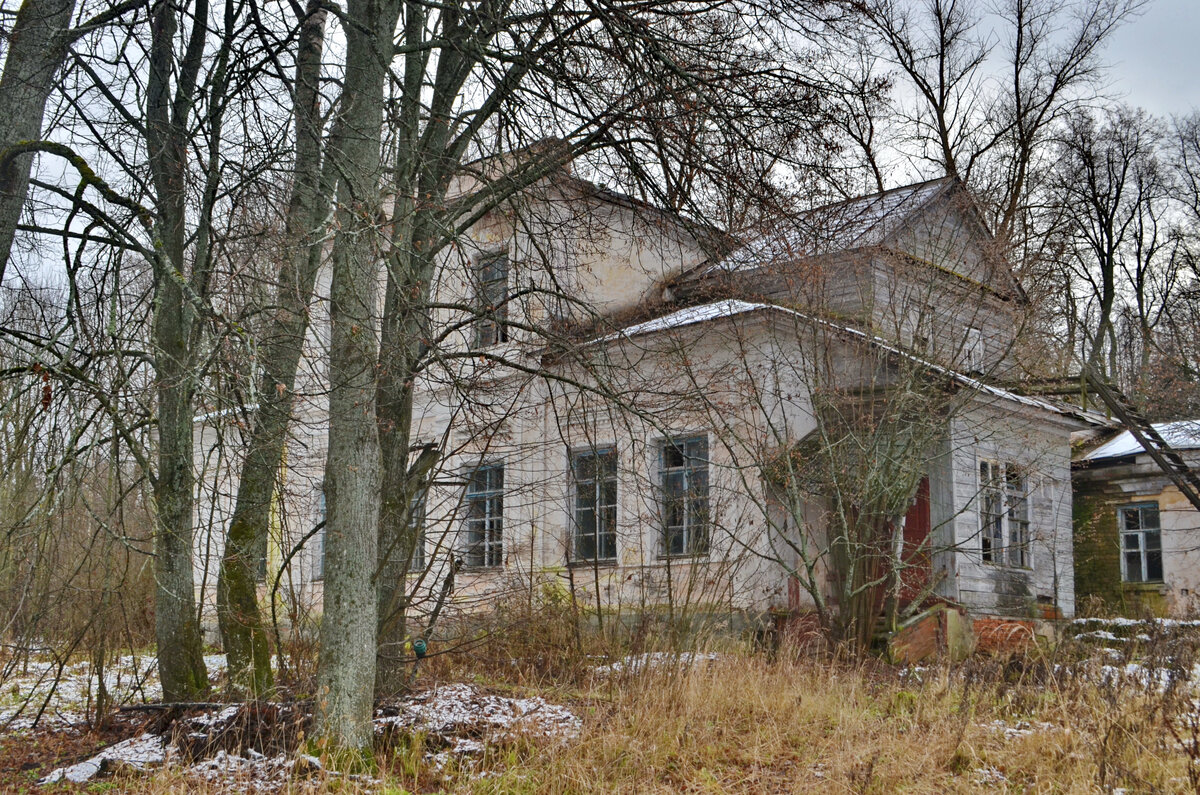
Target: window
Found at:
491, 300
1141, 543
416, 522
684, 471
1003, 514
318, 547
594, 476
919, 328
485, 517
973, 350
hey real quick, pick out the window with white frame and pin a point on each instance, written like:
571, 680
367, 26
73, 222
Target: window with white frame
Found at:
1003, 513
416, 526
594, 482
491, 300
1141, 543
318, 540
684, 483
973, 350
485, 516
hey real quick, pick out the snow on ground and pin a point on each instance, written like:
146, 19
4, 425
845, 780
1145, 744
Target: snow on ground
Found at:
1021, 728
465, 721
460, 719
637, 663
1148, 677
989, 776
1165, 623
129, 679
253, 771
138, 753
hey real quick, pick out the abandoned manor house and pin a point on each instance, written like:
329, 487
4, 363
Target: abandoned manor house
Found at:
623, 407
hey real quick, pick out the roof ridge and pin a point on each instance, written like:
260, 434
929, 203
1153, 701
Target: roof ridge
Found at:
949, 179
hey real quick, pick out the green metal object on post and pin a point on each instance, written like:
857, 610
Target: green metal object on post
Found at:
419, 648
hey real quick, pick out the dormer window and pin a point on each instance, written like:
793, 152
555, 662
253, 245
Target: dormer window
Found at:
491, 300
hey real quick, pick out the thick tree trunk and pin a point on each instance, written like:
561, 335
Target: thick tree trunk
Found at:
177, 630
242, 632
36, 49
346, 669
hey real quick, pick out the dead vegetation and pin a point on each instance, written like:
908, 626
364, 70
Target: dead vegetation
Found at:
1091, 714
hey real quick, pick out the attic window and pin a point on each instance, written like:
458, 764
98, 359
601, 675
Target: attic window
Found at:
491, 300
973, 350
920, 323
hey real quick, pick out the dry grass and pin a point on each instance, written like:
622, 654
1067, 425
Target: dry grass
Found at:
747, 723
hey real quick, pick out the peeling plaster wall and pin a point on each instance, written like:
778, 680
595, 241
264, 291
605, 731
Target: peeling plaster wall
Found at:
1040, 445
1103, 487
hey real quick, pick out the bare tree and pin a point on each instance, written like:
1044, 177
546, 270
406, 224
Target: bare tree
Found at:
37, 46
1112, 192
282, 339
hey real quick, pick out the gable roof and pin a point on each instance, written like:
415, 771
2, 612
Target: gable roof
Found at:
1179, 435
854, 223
731, 307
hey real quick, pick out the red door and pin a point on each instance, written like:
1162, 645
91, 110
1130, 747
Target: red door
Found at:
918, 562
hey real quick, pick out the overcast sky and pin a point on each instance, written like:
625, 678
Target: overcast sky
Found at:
1156, 58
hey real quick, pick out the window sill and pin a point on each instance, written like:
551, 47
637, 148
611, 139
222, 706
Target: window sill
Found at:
1007, 566
1149, 585
683, 556
601, 563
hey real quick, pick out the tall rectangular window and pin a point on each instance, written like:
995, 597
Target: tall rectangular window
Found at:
973, 350
1016, 504
1003, 514
685, 510
416, 525
318, 540
594, 477
1141, 543
485, 516
491, 300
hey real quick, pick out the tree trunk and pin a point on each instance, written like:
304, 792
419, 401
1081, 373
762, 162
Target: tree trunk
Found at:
346, 669
177, 628
242, 632
36, 49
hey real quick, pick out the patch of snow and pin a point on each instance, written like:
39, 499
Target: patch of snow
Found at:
459, 710
128, 679
653, 661
989, 775
214, 718
1022, 728
1105, 635
253, 771
1148, 677
140, 753
1165, 623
